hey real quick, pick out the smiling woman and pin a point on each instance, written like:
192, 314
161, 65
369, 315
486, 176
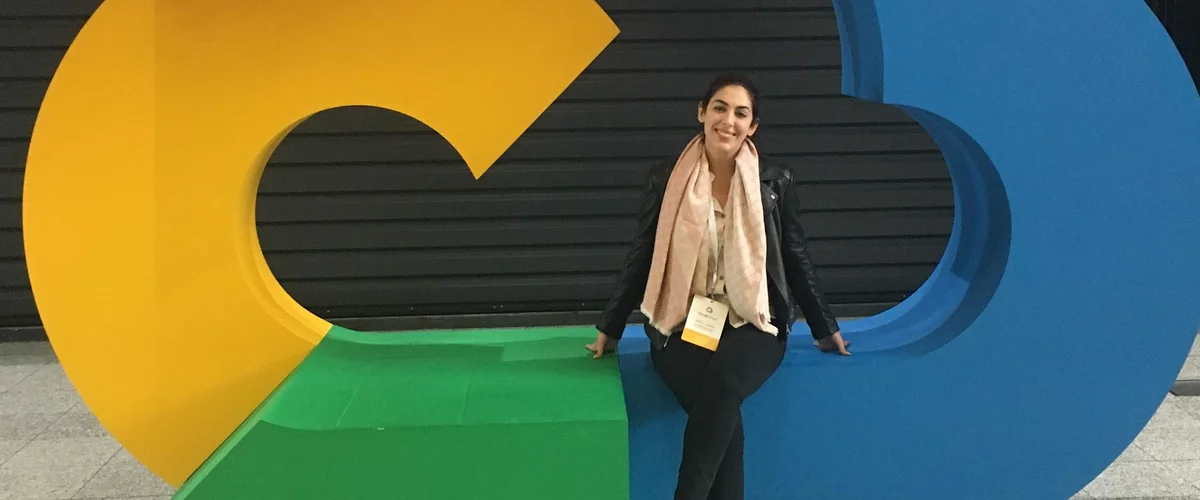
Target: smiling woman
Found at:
719, 262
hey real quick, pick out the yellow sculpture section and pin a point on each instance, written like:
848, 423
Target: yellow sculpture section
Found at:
142, 175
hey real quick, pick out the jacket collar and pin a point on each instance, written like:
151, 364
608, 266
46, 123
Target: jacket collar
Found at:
769, 170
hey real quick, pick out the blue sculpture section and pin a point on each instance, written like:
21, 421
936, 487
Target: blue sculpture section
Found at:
1066, 301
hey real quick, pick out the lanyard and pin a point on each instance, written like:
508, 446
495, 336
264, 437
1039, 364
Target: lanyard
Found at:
714, 242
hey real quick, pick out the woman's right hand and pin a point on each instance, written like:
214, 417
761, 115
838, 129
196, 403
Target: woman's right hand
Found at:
602, 345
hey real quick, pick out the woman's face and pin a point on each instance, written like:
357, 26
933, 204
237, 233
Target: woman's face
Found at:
728, 120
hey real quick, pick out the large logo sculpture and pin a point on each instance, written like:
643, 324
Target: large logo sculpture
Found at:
1062, 310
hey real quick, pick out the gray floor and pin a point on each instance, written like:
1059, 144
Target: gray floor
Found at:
51, 447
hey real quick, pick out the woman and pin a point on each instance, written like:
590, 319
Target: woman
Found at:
719, 229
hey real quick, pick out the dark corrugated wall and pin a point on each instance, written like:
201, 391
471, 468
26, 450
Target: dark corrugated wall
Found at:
365, 213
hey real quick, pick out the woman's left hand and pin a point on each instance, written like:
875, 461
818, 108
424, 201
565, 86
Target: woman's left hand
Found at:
834, 342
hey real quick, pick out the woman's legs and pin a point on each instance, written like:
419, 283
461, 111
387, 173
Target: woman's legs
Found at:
729, 483
711, 387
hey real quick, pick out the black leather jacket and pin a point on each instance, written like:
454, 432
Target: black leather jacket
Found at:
791, 276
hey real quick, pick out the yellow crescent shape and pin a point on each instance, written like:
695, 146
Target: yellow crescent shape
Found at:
145, 159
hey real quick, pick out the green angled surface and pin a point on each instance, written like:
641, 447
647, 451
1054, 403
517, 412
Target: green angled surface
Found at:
521, 414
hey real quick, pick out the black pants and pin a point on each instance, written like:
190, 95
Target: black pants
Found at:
711, 386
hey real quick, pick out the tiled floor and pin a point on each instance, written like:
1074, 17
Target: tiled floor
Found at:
51, 447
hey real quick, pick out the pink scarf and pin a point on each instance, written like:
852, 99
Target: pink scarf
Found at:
681, 243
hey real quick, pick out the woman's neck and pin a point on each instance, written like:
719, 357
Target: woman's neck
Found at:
722, 167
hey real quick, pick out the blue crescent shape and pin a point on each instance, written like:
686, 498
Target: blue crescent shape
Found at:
1066, 301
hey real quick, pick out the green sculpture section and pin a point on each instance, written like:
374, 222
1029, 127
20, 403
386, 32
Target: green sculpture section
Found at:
520, 414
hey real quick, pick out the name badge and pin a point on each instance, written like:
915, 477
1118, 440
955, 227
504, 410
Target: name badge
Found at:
705, 322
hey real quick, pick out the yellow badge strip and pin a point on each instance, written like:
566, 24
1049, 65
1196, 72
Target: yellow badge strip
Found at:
700, 339
144, 166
